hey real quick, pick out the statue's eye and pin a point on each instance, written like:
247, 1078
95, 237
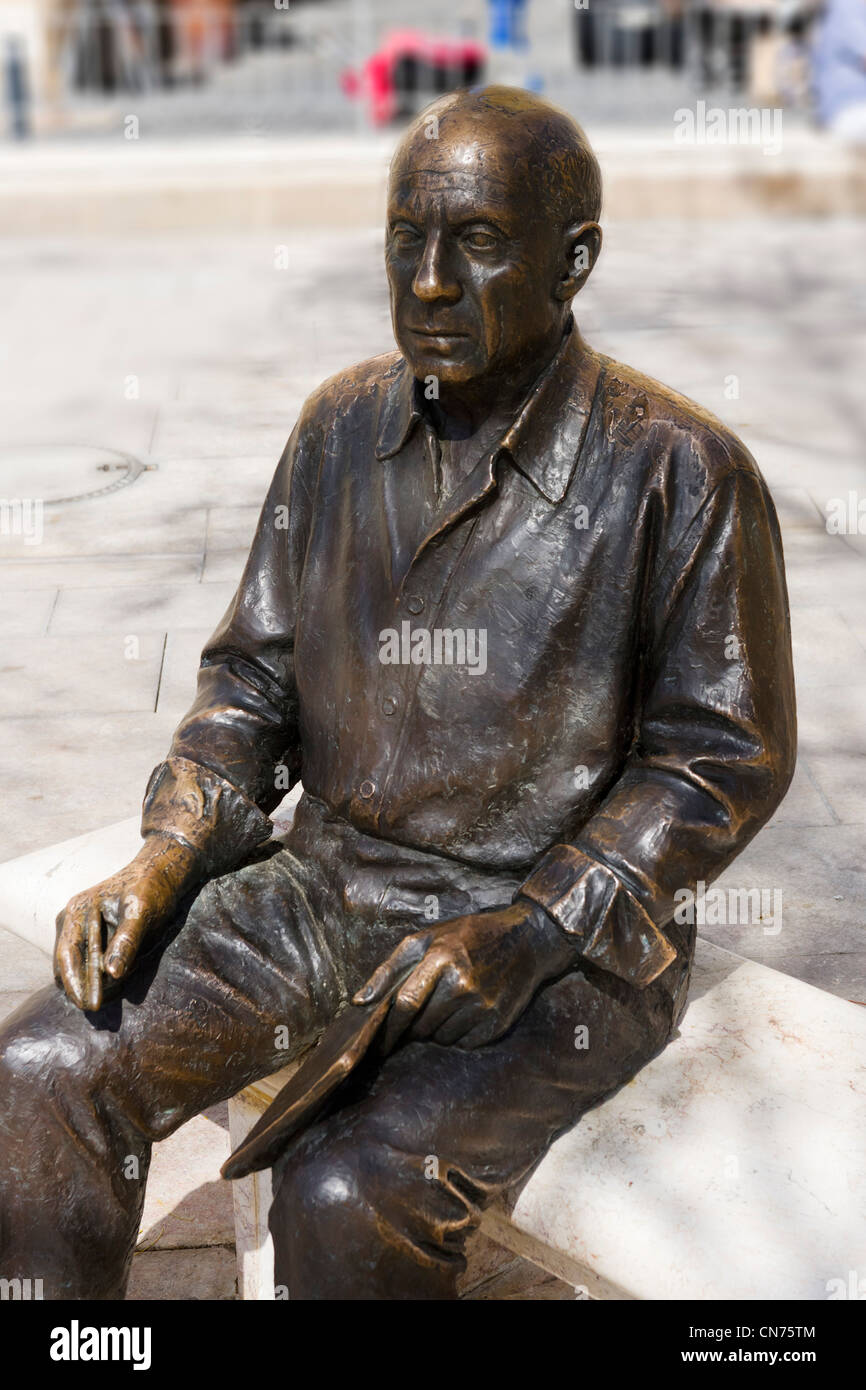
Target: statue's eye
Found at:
479, 240
403, 234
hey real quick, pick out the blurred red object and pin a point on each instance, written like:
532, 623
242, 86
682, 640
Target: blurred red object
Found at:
411, 65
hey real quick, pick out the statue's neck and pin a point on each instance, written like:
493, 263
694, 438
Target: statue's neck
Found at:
490, 404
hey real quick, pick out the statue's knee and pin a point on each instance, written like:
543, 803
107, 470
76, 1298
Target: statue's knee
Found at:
358, 1180
356, 1217
322, 1186
48, 1044
34, 1058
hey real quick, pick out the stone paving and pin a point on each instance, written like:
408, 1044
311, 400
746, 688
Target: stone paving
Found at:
192, 355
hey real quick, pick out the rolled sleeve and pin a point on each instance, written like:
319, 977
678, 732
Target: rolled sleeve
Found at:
608, 925
204, 812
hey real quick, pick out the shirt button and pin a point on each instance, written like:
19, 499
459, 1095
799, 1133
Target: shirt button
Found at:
415, 603
367, 789
389, 705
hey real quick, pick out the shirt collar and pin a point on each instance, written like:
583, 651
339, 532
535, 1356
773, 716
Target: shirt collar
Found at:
546, 436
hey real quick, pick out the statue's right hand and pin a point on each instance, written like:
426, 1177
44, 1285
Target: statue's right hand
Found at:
102, 930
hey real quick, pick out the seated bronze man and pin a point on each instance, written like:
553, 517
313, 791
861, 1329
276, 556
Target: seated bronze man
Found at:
516, 616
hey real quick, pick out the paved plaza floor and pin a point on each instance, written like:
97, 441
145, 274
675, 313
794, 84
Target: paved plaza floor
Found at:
168, 373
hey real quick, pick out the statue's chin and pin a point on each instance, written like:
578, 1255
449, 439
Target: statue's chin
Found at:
447, 367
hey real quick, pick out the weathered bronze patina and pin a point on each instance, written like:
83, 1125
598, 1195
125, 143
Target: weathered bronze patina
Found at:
516, 616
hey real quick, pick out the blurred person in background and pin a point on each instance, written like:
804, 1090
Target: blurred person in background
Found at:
793, 60
16, 87
142, 19
727, 31
586, 26
839, 69
204, 30
507, 23
110, 44
609, 34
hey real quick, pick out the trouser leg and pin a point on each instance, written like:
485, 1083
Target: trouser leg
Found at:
377, 1199
85, 1095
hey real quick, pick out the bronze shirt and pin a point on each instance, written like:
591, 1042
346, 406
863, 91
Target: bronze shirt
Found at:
611, 574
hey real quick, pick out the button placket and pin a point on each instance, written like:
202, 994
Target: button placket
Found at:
412, 683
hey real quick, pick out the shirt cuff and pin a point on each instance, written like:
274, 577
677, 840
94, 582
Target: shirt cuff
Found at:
204, 812
608, 924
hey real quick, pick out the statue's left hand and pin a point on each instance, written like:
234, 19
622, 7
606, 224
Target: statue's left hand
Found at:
471, 977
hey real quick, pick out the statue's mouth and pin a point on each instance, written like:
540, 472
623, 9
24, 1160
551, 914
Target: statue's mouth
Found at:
437, 333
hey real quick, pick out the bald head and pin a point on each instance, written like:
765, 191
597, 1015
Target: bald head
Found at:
511, 135
492, 230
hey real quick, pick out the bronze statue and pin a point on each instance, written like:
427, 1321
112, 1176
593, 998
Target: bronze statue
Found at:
516, 616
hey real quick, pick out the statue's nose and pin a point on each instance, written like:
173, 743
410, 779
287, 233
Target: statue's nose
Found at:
434, 278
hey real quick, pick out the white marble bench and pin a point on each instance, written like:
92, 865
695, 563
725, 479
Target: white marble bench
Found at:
731, 1167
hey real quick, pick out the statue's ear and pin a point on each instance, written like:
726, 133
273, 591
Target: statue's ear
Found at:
581, 245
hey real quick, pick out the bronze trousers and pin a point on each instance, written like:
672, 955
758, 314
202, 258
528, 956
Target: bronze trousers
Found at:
375, 1200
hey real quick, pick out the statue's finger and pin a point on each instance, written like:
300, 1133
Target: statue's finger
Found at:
456, 1027
409, 952
125, 941
440, 1007
70, 969
411, 996
70, 955
93, 927
479, 1036
59, 939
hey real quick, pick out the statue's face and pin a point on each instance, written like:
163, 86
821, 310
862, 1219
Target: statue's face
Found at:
472, 262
